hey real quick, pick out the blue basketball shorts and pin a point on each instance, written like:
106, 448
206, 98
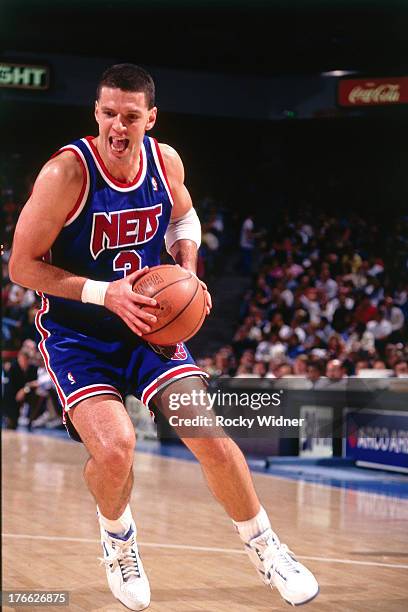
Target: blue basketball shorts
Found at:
83, 366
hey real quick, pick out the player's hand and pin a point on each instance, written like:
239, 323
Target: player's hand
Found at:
128, 305
204, 286
207, 295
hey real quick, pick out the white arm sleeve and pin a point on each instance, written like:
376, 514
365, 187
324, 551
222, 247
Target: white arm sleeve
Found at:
187, 227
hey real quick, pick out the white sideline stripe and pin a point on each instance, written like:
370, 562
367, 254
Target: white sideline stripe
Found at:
233, 551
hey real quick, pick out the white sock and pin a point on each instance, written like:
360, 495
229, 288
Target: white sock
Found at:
253, 527
119, 526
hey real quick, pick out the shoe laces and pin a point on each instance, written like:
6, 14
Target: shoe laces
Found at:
283, 561
276, 556
124, 555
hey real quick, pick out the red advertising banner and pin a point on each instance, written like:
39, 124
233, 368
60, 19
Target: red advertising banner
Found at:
373, 92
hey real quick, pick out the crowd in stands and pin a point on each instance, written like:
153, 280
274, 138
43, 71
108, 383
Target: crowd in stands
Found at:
329, 298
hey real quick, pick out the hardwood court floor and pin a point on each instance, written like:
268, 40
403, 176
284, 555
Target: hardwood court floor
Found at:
355, 543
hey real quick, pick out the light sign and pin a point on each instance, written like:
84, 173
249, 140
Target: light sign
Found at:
24, 76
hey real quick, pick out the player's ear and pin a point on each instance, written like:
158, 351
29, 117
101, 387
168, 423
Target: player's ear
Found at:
96, 110
151, 118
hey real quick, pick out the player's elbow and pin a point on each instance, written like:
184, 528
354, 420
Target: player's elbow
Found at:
16, 269
13, 270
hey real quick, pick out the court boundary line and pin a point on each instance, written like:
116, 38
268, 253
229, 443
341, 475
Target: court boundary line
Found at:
234, 551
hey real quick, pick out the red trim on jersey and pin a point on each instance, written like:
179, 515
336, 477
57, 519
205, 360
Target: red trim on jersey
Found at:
82, 394
182, 371
81, 195
42, 348
106, 171
163, 167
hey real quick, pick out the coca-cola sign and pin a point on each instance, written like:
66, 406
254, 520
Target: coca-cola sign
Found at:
373, 92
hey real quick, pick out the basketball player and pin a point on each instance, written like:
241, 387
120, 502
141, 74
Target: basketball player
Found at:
98, 215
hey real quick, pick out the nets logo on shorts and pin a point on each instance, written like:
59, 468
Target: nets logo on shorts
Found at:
176, 352
180, 353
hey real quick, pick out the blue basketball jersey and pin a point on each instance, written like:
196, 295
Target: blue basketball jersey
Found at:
114, 229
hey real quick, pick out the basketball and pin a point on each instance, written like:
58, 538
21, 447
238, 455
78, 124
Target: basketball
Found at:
181, 304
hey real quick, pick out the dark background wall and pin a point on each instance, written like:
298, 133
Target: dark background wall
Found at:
230, 75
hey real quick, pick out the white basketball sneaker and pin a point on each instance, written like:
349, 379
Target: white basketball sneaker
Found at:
278, 568
124, 569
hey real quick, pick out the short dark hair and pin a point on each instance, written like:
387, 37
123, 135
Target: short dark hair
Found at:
128, 77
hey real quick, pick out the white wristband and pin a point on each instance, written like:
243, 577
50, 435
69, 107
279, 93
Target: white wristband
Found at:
94, 292
187, 227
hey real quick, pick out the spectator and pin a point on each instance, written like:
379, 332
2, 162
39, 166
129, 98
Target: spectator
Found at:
284, 369
300, 365
365, 311
342, 315
222, 363
270, 348
47, 411
259, 369
401, 369
325, 283
314, 372
361, 364
247, 244
379, 364
21, 381
335, 370
381, 329
395, 316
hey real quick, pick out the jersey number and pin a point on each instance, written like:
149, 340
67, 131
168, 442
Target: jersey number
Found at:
128, 261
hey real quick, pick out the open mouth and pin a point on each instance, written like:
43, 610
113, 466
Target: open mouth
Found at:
119, 145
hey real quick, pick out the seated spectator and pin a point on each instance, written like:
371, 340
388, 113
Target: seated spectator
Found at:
284, 369
208, 365
247, 359
365, 311
47, 411
244, 371
342, 315
272, 366
314, 371
28, 329
222, 363
336, 347
395, 316
310, 302
300, 365
379, 364
260, 369
241, 341
374, 290
381, 329
270, 348
359, 339
247, 244
401, 369
20, 384
361, 364
295, 347
335, 370
326, 283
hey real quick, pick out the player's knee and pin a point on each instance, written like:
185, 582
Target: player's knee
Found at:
117, 457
